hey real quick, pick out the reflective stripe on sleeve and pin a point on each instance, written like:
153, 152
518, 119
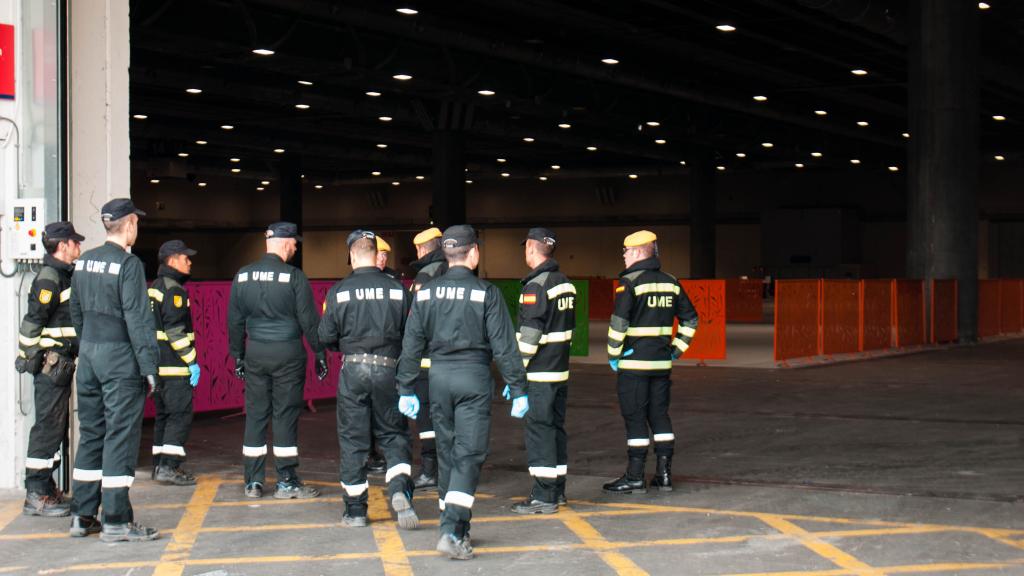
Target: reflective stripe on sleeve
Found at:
190, 357
65, 295
554, 337
155, 294
563, 288
181, 343
174, 371
687, 331
60, 332
656, 287
161, 335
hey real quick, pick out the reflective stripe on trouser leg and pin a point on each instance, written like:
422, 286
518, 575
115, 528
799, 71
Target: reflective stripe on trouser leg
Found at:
174, 418
658, 415
288, 403
88, 470
541, 434
274, 373
391, 429
353, 427
47, 434
428, 447
124, 400
634, 391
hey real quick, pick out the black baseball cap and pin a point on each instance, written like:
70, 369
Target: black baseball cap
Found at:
172, 247
544, 235
459, 235
283, 230
359, 234
119, 208
62, 231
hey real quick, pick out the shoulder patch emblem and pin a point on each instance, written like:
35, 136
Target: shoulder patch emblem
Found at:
45, 296
620, 289
178, 301
529, 298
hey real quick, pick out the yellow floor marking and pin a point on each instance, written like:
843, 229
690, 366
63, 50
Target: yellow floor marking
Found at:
951, 567
798, 573
12, 569
172, 563
385, 532
9, 511
100, 566
819, 546
1003, 537
593, 540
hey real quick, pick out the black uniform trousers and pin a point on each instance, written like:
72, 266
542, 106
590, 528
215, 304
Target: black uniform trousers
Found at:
424, 426
173, 421
644, 400
275, 376
111, 395
460, 407
546, 449
47, 434
368, 408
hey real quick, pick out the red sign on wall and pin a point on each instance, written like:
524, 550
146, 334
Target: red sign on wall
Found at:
7, 61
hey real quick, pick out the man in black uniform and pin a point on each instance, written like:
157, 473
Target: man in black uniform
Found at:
47, 346
364, 320
179, 366
461, 323
430, 264
641, 349
547, 317
271, 309
110, 312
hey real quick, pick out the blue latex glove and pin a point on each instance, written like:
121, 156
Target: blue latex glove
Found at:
193, 378
520, 406
506, 393
615, 363
409, 405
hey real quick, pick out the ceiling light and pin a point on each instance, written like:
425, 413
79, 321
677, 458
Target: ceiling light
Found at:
906, 134
720, 168
999, 157
265, 182
421, 177
725, 28
396, 183
278, 150
375, 173
565, 126
201, 142
505, 174
816, 154
527, 139
767, 144
859, 72
407, 11
302, 106
653, 123
193, 90
319, 186
862, 123
502, 160
373, 94
591, 148
382, 146
984, 5
236, 159
202, 184
894, 168
659, 141
610, 61
154, 181
384, 118
469, 181
485, 92
821, 112
682, 162
305, 82
761, 98
402, 77
263, 52
799, 165
260, 188
227, 127
854, 161
182, 154
236, 170
741, 155
140, 116
999, 117
556, 167
633, 176
543, 178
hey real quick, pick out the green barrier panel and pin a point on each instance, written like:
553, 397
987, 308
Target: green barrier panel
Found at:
510, 290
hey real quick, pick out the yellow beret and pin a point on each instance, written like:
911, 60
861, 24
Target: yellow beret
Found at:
639, 238
426, 236
382, 245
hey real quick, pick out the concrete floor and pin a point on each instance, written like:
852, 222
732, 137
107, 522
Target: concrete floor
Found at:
912, 464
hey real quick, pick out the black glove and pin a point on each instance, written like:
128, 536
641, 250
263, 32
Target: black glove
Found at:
154, 383
321, 368
30, 365
21, 365
676, 353
239, 369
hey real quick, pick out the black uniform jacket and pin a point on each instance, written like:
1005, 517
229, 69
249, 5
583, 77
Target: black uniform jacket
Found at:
366, 314
547, 317
172, 318
47, 324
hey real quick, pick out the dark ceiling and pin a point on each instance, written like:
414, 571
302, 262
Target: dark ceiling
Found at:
543, 61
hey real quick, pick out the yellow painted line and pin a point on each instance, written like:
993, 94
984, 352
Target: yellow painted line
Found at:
172, 563
1003, 537
33, 536
10, 511
593, 540
100, 566
12, 569
798, 573
951, 567
385, 533
820, 547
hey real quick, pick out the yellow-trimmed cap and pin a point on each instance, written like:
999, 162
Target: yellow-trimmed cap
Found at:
426, 236
382, 245
639, 238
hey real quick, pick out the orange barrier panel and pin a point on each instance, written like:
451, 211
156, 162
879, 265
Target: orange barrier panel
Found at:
840, 316
708, 298
908, 321
1009, 306
989, 308
876, 330
602, 297
797, 318
944, 311
743, 300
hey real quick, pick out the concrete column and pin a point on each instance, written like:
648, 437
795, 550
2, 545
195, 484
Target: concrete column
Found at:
702, 217
289, 172
449, 178
942, 212
98, 58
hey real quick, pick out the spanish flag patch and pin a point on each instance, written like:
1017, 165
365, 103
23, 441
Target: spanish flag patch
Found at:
45, 296
620, 289
529, 298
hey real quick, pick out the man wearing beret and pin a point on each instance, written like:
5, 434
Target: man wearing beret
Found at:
179, 364
429, 264
47, 346
271, 309
110, 313
460, 322
641, 348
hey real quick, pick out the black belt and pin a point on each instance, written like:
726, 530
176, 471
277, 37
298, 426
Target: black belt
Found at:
99, 327
373, 359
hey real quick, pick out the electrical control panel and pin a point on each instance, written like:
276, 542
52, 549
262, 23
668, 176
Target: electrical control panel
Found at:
23, 230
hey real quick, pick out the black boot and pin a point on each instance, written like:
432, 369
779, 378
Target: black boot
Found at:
156, 464
38, 504
172, 475
428, 474
633, 480
82, 526
663, 476
127, 532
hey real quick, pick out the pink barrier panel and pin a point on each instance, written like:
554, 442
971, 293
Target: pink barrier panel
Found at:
1010, 306
989, 308
909, 312
840, 316
743, 300
876, 331
218, 388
